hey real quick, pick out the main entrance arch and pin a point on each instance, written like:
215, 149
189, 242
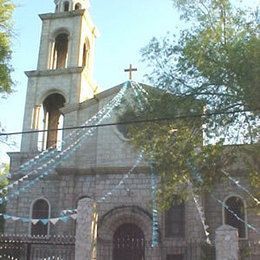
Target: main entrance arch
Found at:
117, 226
128, 243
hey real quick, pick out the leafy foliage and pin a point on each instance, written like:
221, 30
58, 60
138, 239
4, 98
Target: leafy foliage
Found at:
212, 69
4, 169
216, 60
6, 10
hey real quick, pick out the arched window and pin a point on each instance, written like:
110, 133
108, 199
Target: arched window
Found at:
85, 56
175, 220
77, 6
40, 210
53, 120
128, 243
235, 207
60, 54
66, 6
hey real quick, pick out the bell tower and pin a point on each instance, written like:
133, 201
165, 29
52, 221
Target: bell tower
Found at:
64, 72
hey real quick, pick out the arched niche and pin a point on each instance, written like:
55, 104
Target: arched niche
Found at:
85, 53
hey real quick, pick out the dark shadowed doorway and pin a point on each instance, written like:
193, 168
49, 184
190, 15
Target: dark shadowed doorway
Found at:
128, 243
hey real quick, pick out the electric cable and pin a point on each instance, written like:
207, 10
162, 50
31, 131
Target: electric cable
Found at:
128, 122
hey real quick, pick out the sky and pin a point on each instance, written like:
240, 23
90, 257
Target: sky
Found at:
125, 27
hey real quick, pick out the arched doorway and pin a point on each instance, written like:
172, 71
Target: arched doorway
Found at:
128, 243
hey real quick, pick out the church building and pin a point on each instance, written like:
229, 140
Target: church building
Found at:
78, 189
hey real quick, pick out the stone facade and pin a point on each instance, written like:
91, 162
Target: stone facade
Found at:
103, 159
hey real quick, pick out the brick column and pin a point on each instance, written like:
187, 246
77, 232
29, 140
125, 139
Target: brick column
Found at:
86, 230
226, 243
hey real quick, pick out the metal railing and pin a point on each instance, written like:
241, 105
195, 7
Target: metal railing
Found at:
24, 247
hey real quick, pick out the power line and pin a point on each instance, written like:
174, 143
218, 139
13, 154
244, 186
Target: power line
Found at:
127, 122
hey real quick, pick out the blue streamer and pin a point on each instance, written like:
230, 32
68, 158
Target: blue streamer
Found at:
155, 224
66, 153
195, 173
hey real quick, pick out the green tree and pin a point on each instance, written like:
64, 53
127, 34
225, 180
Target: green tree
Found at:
6, 11
213, 68
4, 170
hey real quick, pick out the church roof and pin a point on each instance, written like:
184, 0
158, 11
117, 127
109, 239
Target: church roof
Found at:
107, 93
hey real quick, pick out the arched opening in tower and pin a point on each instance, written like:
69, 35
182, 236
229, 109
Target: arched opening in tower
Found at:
66, 6
60, 56
85, 56
77, 6
53, 120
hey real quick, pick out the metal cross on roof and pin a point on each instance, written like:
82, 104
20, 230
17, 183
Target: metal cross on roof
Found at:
130, 70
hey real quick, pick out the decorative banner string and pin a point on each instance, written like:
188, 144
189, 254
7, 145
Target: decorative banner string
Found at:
110, 193
155, 223
241, 187
154, 178
75, 132
39, 159
72, 212
140, 88
44, 221
126, 176
198, 177
48, 168
64, 154
137, 95
201, 212
50, 153
224, 205
196, 199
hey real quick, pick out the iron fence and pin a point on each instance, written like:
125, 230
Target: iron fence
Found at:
23, 247
15, 247
140, 250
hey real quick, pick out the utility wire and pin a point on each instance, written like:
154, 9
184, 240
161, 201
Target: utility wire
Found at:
127, 122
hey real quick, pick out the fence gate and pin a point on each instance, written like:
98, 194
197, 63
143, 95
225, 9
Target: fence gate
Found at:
128, 243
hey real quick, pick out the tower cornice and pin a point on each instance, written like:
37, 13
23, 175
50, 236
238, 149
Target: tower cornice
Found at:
47, 73
50, 16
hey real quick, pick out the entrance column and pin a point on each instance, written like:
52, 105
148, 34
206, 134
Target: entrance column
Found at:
86, 230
